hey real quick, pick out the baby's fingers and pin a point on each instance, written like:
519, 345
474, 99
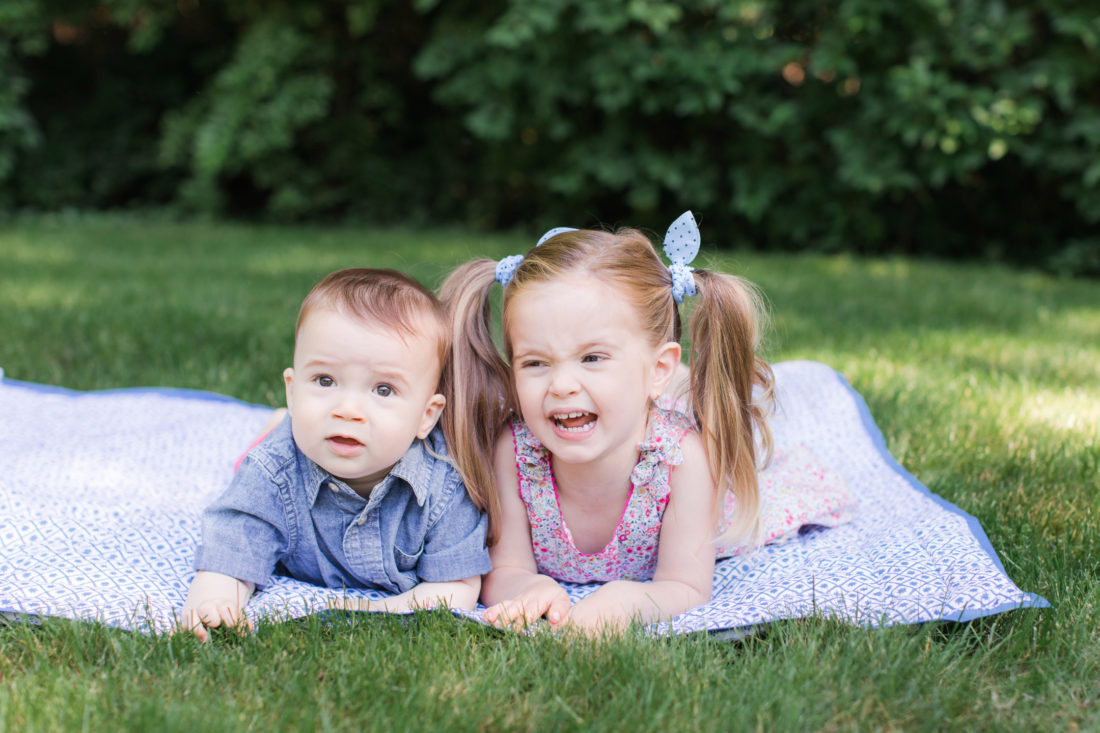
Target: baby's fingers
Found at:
190, 622
349, 604
212, 615
231, 615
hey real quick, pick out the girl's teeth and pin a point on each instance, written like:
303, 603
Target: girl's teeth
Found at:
561, 420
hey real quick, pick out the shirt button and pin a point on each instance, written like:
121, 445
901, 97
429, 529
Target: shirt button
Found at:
332, 485
361, 521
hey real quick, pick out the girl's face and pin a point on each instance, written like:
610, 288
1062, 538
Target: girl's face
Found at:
584, 370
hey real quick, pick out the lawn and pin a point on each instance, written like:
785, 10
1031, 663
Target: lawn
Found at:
984, 381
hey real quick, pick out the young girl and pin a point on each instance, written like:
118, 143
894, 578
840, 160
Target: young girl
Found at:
592, 476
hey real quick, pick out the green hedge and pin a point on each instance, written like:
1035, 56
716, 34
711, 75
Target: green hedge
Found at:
968, 128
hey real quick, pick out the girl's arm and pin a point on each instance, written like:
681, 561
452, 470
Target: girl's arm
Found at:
515, 592
685, 556
213, 600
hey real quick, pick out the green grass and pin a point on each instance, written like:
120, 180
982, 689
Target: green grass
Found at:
985, 382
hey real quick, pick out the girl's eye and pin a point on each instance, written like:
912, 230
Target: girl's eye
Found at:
531, 364
383, 390
324, 380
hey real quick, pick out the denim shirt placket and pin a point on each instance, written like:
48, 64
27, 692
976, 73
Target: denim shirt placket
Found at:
362, 550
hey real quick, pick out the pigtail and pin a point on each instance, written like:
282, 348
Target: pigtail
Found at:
731, 393
476, 383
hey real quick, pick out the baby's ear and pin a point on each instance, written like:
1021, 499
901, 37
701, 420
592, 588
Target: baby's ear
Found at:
665, 368
288, 377
432, 412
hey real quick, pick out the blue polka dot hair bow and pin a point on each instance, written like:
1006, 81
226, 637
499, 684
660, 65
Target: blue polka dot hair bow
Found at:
506, 267
681, 245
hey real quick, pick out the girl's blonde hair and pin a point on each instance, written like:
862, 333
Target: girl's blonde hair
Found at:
731, 387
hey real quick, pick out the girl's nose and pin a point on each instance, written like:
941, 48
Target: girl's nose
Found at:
563, 381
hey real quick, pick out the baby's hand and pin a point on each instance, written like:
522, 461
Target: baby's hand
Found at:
211, 614
215, 600
544, 598
353, 604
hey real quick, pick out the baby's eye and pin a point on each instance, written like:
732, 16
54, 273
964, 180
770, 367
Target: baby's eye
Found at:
324, 380
591, 358
383, 390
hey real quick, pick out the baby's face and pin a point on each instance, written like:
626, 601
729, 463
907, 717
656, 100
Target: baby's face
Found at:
359, 393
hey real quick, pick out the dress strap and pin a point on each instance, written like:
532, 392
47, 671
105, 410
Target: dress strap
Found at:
661, 448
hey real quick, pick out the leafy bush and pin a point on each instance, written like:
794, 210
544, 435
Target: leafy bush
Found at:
967, 128
963, 128
18, 131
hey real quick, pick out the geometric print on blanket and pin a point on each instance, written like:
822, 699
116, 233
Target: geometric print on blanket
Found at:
101, 494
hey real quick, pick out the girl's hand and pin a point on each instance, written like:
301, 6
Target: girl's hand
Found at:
614, 606
592, 616
543, 598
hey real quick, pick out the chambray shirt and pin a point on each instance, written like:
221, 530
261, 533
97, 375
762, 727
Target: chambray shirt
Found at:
284, 514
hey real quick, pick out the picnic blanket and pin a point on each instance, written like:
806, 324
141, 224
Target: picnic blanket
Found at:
101, 494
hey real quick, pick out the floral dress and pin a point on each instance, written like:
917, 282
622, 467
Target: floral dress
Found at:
796, 491
632, 552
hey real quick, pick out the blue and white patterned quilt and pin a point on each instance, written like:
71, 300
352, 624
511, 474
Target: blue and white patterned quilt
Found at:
101, 493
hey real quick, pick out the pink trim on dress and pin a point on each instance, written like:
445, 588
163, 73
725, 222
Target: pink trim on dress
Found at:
241, 457
617, 532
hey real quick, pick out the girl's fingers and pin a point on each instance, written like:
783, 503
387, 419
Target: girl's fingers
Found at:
519, 613
509, 614
493, 613
559, 608
530, 612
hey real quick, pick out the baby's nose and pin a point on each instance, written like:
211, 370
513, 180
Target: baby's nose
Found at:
351, 408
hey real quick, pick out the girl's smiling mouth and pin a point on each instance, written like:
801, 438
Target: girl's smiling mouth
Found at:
577, 421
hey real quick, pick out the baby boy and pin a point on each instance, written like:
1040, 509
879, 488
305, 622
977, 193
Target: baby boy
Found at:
353, 489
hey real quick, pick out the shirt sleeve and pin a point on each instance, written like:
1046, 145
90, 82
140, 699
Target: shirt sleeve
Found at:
454, 547
245, 530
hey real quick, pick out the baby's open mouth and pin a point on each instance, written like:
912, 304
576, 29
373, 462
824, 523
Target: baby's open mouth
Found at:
344, 440
574, 421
